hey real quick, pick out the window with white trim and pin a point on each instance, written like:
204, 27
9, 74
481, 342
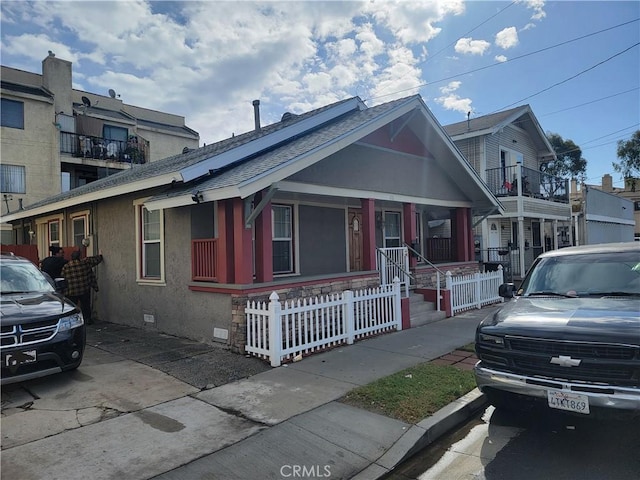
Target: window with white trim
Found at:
79, 226
282, 227
150, 241
12, 178
54, 232
392, 229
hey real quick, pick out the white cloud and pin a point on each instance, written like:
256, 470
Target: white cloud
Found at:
538, 9
500, 58
507, 38
474, 47
451, 101
413, 22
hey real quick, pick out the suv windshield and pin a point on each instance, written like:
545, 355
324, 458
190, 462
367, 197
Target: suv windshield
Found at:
22, 277
613, 273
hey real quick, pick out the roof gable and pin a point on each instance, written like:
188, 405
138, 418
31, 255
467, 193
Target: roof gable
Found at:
521, 117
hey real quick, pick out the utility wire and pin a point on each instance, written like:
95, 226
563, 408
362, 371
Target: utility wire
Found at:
452, 43
568, 79
507, 61
589, 103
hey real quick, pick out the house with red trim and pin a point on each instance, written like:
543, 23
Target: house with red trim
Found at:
300, 207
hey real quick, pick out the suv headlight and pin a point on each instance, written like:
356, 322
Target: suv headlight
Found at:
72, 321
492, 340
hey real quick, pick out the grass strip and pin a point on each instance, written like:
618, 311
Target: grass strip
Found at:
414, 393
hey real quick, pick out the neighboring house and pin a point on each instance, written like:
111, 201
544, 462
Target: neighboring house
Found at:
605, 214
511, 152
298, 207
56, 138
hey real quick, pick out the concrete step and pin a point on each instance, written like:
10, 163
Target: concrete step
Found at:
427, 317
423, 312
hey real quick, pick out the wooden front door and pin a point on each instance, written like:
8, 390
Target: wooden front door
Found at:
355, 240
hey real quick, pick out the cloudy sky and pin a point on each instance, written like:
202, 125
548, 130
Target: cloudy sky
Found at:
576, 63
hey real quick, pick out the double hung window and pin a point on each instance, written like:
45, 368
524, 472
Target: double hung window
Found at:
282, 227
150, 240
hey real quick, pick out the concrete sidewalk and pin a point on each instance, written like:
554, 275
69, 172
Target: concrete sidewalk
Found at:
313, 434
284, 422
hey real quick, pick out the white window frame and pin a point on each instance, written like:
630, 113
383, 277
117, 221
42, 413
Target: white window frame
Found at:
84, 216
385, 237
291, 239
42, 233
140, 274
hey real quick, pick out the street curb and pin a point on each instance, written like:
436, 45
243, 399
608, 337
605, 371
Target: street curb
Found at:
425, 433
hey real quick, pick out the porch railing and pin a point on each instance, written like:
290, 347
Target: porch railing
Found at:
204, 254
280, 332
439, 275
516, 179
393, 262
133, 150
438, 249
474, 291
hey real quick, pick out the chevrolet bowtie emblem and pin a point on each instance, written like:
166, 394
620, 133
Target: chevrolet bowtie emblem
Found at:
565, 361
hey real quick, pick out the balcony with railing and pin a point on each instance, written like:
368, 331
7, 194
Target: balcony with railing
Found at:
517, 180
134, 150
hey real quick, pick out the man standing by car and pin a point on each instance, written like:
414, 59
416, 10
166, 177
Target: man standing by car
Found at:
53, 264
80, 280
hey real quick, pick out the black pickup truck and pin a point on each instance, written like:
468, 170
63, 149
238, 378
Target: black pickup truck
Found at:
569, 337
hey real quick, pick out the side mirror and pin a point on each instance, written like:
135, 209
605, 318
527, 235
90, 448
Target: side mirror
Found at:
506, 290
60, 284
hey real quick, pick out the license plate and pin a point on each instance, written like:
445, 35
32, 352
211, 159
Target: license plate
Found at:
571, 402
19, 358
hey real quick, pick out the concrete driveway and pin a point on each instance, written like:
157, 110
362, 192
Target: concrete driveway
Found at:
143, 383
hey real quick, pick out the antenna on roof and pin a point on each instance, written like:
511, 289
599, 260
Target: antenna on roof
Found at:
112, 93
86, 101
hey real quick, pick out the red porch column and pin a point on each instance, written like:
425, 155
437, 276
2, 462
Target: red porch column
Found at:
225, 243
264, 243
463, 234
242, 245
409, 222
368, 234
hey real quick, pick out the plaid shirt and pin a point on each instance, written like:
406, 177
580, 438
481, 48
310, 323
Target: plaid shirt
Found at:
79, 275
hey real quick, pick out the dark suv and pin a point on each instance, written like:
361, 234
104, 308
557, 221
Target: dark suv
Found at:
42, 332
570, 337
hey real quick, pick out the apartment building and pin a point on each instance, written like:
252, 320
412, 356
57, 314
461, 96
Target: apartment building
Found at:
55, 138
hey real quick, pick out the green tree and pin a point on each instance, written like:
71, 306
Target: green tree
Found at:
629, 155
569, 158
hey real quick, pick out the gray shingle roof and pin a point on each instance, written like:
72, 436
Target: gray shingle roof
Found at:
478, 124
288, 152
180, 161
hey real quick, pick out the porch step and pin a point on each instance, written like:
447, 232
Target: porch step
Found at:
423, 312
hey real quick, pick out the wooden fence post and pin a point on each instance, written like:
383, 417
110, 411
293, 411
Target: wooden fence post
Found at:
478, 290
275, 330
349, 317
449, 286
397, 304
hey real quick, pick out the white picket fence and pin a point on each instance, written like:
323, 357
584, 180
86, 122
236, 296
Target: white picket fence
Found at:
280, 332
474, 291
